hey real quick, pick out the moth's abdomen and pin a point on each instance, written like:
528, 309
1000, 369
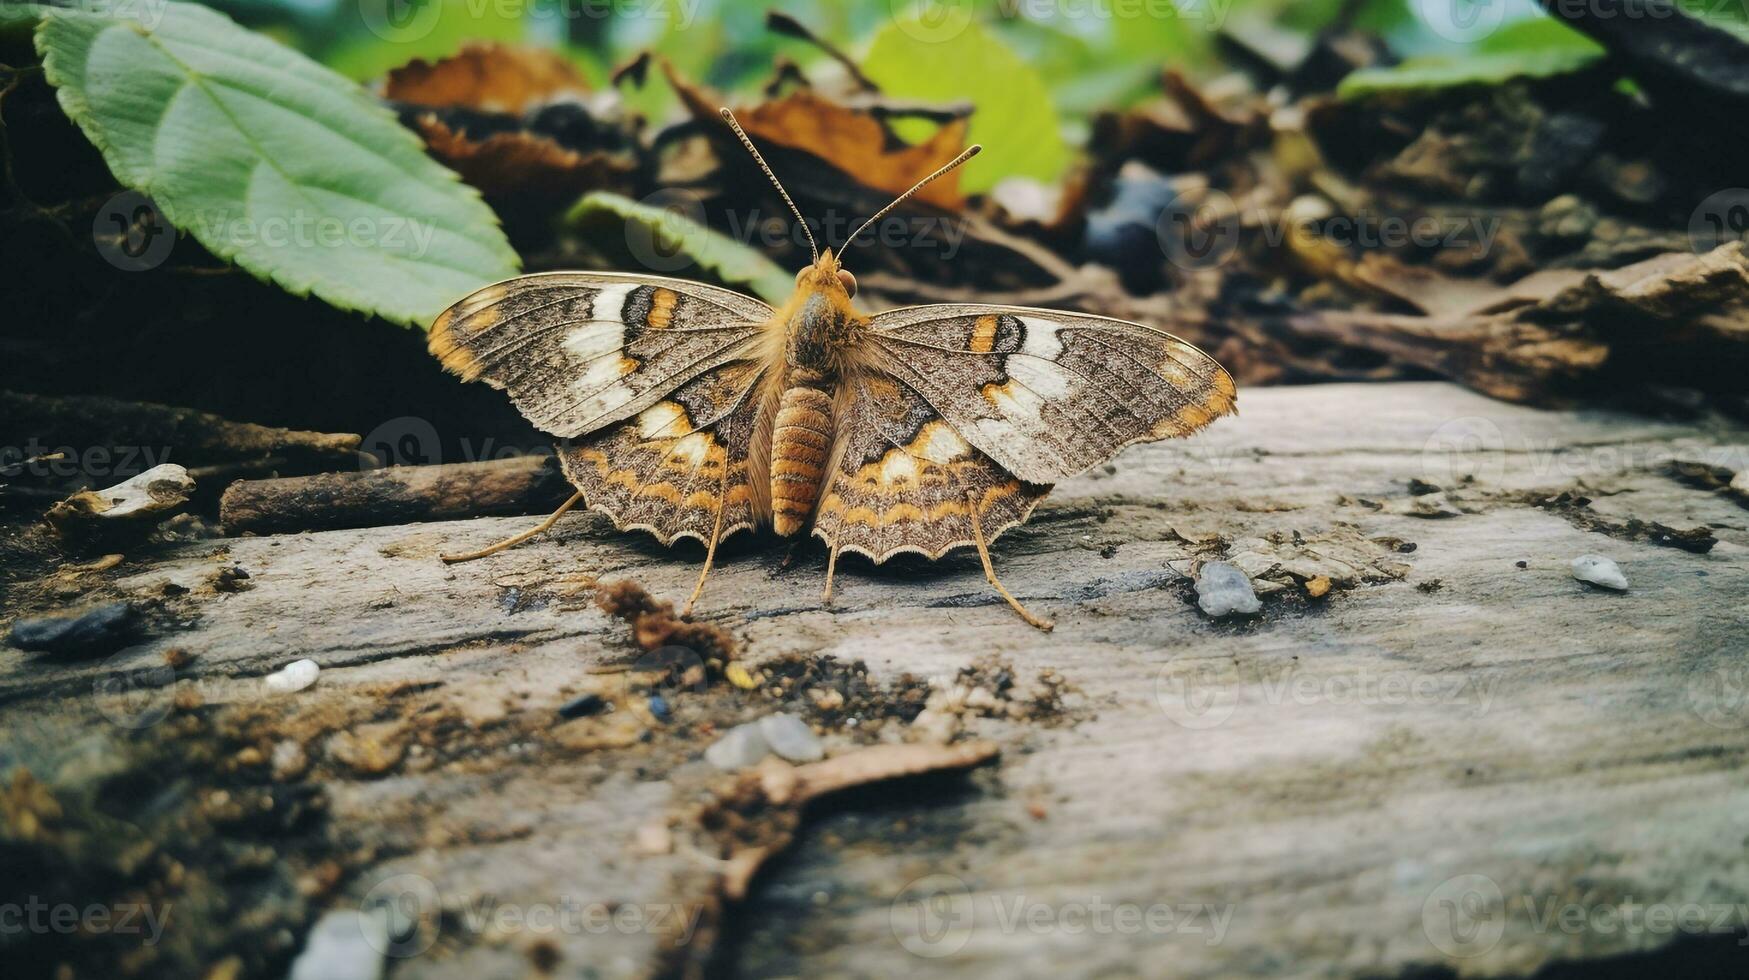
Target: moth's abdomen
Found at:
800, 443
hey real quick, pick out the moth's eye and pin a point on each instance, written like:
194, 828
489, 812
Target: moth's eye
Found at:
801, 274
848, 281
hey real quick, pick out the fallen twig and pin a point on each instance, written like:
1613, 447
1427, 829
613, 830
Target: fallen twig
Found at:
396, 495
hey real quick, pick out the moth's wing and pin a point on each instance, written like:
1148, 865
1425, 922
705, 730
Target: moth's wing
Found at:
901, 479
675, 466
1048, 394
580, 350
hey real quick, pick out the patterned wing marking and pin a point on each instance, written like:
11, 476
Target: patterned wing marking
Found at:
1048, 394
901, 478
581, 350
674, 466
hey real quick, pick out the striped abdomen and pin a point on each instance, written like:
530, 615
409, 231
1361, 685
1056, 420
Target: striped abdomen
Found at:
799, 446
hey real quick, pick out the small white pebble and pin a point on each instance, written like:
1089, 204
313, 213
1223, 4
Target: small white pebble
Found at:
791, 738
293, 677
1599, 570
344, 945
1222, 590
738, 748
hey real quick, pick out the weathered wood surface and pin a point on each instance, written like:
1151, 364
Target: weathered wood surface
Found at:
1447, 740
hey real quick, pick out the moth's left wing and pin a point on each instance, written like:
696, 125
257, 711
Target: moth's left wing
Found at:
578, 351
690, 466
1047, 394
901, 480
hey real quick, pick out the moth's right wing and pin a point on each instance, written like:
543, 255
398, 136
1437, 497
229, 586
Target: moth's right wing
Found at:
581, 350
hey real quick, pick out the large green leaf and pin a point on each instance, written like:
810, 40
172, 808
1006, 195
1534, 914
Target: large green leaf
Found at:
1539, 47
272, 161
1013, 115
671, 241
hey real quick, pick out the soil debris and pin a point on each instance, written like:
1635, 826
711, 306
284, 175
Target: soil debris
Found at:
1576, 508
654, 624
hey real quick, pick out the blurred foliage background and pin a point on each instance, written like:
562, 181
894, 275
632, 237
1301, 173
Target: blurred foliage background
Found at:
1089, 55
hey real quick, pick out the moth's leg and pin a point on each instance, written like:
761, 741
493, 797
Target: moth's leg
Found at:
710, 552
990, 571
517, 539
789, 557
831, 570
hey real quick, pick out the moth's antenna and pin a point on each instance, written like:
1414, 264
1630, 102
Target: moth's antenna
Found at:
970, 151
730, 118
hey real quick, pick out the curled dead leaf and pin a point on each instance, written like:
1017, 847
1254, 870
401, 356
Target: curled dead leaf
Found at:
851, 140
519, 163
486, 76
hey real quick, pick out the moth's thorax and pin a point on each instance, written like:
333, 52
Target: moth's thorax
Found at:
821, 328
815, 333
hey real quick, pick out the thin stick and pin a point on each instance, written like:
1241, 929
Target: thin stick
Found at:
748, 143
710, 553
783, 23
969, 152
990, 571
831, 570
519, 538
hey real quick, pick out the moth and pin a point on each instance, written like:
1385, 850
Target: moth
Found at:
691, 411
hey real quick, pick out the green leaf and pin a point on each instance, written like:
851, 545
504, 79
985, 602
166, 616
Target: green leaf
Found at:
1534, 48
272, 161
670, 241
20, 17
397, 31
1014, 117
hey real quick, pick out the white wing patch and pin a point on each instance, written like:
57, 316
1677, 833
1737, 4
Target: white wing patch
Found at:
943, 445
1041, 338
1045, 379
659, 418
604, 331
596, 341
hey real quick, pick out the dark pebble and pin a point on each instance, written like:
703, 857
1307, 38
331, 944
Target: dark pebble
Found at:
582, 706
659, 707
98, 630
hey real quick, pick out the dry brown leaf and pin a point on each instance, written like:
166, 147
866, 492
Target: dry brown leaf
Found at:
519, 163
851, 140
486, 76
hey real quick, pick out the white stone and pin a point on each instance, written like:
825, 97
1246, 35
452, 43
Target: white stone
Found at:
1599, 570
791, 738
344, 945
291, 678
1222, 590
738, 748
